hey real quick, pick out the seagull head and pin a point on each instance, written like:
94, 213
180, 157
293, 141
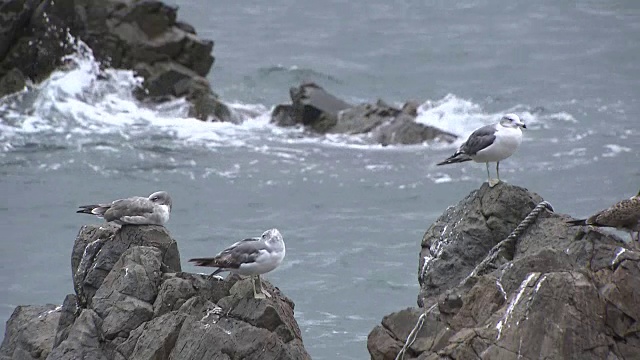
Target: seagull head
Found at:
161, 198
513, 121
272, 236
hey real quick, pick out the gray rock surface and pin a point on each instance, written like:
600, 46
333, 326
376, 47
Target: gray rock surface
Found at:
142, 35
139, 305
323, 113
561, 292
30, 332
102, 245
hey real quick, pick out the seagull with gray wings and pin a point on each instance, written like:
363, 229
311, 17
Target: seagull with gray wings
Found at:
249, 257
491, 143
137, 210
623, 215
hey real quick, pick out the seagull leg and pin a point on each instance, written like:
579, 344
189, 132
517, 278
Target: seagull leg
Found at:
253, 284
492, 182
257, 295
262, 291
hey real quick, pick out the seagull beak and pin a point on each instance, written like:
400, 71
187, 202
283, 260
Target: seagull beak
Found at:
523, 125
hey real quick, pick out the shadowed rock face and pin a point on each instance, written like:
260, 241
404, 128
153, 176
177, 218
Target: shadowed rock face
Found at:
141, 35
134, 303
561, 293
323, 113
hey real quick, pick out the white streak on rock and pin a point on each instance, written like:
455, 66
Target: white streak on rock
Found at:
513, 303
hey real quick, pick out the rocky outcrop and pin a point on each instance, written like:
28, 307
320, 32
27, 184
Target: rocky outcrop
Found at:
142, 35
323, 113
555, 292
133, 302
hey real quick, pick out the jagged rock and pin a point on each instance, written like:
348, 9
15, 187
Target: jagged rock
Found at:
111, 242
462, 236
144, 309
124, 300
30, 332
85, 340
561, 292
143, 35
323, 113
67, 317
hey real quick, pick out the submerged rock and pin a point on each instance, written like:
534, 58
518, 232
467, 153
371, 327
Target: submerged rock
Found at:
559, 293
323, 113
139, 305
141, 35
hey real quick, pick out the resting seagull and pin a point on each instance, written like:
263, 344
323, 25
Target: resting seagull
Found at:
623, 215
137, 210
252, 257
491, 143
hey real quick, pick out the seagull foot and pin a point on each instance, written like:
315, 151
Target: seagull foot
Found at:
260, 296
494, 182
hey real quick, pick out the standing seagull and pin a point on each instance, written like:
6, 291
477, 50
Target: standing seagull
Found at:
491, 143
254, 256
137, 210
623, 215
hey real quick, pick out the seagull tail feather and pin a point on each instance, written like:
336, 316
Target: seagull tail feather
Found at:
455, 158
210, 262
577, 222
92, 210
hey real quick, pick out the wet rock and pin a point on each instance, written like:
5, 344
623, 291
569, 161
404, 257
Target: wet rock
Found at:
322, 113
30, 332
559, 292
13, 81
144, 36
144, 309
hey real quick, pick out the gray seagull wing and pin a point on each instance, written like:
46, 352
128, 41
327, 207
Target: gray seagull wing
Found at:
133, 206
243, 252
479, 139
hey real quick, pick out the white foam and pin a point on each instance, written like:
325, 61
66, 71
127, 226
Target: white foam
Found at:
615, 150
83, 100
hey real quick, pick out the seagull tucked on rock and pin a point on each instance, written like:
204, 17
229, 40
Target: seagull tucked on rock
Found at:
137, 210
252, 257
623, 215
490, 143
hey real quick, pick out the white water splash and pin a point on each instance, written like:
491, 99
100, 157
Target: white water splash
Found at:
82, 100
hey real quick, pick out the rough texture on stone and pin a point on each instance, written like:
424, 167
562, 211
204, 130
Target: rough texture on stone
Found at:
30, 332
112, 242
321, 112
561, 293
143, 309
142, 35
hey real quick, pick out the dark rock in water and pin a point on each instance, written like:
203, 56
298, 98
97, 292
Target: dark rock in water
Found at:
30, 332
559, 293
140, 306
321, 112
11, 82
144, 36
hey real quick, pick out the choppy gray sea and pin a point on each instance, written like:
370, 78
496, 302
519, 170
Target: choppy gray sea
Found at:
352, 214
